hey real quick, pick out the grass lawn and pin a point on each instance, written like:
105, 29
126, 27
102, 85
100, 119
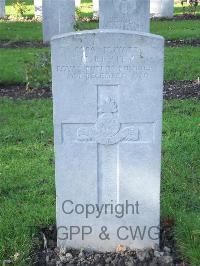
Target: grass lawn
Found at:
86, 8
29, 12
170, 30
27, 174
177, 30
18, 31
27, 188
13, 70
180, 196
178, 9
33, 30
180, 63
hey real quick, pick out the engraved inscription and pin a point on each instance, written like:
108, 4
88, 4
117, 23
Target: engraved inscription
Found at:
107, 130
106, 63
104, 72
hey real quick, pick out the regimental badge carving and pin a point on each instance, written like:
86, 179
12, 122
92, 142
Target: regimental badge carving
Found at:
107, 130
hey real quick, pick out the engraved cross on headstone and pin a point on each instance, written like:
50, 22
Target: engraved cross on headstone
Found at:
107, 133
107, 93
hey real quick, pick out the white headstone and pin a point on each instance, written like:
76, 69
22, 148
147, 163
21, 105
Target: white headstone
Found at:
2, 9
162, 8
77, 3
58, 17
96, 8
125, 14
38, 8
107, 94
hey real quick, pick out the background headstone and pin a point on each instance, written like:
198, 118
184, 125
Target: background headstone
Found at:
125, 14
77, 3
58, 17
96, 8
107, 93
2, 9
162, 8
38, 8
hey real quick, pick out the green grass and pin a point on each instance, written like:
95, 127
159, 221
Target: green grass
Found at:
28, 4
22, 31
13, 71
178, 9
27, 174
86, 8
170, 30
27, 188
33, 31
180, 63
181, 170
177, 30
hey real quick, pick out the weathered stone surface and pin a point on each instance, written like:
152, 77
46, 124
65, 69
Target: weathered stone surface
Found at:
58, 17
162, 8
107, 94
125, 14
2, 9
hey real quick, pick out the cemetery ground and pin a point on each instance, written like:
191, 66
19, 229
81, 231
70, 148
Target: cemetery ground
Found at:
27, 160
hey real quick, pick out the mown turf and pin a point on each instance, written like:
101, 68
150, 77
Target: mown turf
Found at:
27, 189
86, 8
177, 30
180, 196
20, 31
28, 11
180, 63
178, 9
33, 31
170, 30
27, 174
13, 69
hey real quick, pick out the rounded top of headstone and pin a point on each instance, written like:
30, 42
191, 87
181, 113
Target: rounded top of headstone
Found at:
107, 31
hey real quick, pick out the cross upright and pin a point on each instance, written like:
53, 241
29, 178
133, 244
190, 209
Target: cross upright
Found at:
107, 134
